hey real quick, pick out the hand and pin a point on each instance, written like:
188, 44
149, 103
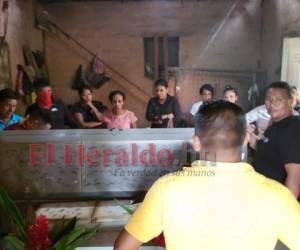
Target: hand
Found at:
250, 128
92, 107
168, 116
90, 104
98, 124
251, 137
95, 124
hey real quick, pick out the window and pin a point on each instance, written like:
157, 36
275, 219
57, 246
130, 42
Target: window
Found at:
159, 54
148, 54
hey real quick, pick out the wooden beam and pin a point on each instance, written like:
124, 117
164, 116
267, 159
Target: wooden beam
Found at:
166, 55
155, 56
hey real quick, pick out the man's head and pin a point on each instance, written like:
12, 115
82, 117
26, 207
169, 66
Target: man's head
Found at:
279, 100
206, 92
8, 103
43, 92
41, 85
38, 119
220, 126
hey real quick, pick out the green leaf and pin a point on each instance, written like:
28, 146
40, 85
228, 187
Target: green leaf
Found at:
64, 241
12, 243
74, 238
62, 228
13, 212
84, 237
126, 208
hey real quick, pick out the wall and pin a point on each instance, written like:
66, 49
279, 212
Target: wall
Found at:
213, 35
21, 31
190, 79
281, 19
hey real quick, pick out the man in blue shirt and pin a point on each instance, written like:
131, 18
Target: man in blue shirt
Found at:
8, 104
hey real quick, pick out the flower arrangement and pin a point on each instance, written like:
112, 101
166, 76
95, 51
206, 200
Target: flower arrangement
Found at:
38, 235
64, 235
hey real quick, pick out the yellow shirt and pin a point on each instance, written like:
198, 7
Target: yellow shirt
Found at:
223, 206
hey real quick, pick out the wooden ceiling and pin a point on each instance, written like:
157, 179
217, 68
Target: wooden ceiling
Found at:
65, 1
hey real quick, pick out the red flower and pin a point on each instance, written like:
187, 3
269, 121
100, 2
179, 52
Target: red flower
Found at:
159, 240
38, 235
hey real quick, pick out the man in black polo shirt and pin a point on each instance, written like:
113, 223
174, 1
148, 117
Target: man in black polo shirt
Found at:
278, 150
59, 113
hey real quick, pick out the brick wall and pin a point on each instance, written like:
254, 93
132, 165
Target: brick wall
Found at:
115, 31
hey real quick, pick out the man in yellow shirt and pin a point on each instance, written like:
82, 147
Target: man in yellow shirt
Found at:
218, 203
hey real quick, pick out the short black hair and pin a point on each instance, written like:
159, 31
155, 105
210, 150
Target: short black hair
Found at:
220, 124
207, 87
42, 115
42, 82
7, 93
229, 88
84, 87
161, 82
116, 92
281, 85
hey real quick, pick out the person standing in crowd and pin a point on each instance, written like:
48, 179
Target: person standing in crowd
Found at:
219, 202
230, 94
277, 150
207, 94
163, 110
60, 116
262, 118
118, 116
87, 111
39, 119
8, 105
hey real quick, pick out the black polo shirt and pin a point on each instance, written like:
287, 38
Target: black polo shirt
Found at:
280, 145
